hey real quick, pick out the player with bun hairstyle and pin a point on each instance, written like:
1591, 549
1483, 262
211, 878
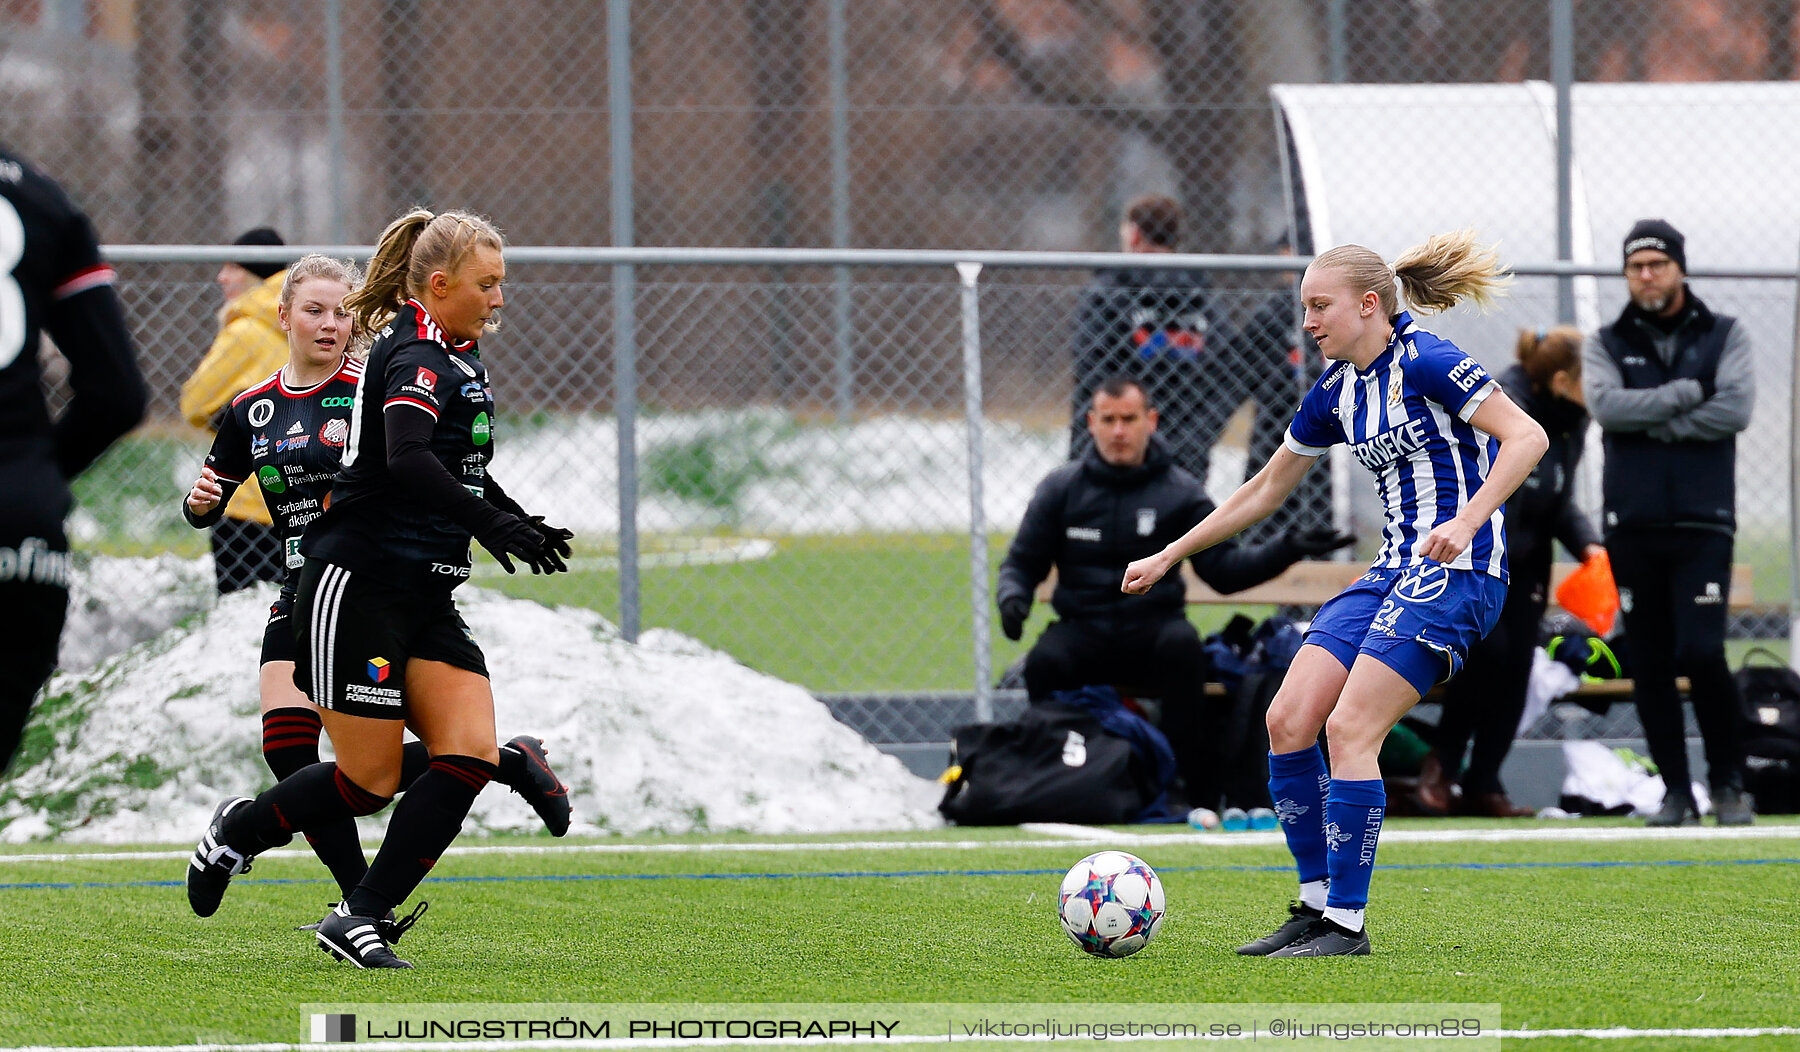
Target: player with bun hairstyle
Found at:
1446, 448
380, 644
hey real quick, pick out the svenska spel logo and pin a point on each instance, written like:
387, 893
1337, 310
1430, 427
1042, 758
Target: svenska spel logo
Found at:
378, 670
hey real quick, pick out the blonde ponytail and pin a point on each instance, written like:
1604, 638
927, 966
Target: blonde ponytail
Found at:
1449, 268
384, 288
1435, 276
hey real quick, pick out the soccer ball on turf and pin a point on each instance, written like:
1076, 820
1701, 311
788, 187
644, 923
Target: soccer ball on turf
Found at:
1111, 904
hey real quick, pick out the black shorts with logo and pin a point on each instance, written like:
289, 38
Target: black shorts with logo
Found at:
278, 634
356, 632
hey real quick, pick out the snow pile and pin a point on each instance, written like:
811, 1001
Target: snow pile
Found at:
117, 603
666, 735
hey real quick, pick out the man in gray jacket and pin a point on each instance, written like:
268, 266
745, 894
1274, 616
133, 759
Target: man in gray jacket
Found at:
1670, 384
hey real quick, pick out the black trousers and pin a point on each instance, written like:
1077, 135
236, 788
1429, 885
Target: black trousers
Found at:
35, 614
1161, 658
1486, 699
1673, 590
244, 553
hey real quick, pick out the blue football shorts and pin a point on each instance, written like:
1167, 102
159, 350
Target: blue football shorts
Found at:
1419, 620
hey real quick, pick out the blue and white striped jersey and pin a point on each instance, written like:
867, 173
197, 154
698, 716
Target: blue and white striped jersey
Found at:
1406, 418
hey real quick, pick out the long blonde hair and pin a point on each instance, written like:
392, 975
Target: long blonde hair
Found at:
410, 249
1435, 276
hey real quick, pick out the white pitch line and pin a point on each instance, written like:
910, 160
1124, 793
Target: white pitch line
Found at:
1092, 836
1619, 1033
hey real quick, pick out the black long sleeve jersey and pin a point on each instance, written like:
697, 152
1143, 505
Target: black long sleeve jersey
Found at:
414, 481
52, 280
289, 440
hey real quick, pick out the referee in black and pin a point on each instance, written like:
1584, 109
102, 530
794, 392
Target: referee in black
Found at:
1671, 384
52, 280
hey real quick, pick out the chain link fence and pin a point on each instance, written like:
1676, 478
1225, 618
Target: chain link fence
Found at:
801, 454
862, 123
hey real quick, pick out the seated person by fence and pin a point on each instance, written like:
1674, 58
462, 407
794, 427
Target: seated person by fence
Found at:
1124, 499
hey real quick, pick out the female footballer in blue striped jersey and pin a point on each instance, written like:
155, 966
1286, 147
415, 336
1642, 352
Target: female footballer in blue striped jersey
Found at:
1447, 448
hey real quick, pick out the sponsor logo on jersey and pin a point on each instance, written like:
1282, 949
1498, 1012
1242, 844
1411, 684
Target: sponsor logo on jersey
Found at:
34, 562
282, 445
475, 465
1394, 444
335, 431
261, 412
297, 428
474, 391
426, 380
481, 430
450, 569
379, 669
292, 506
271, 479
1082, 533
1711, 596
1146, 521
1466, 373
259, 446
339, 402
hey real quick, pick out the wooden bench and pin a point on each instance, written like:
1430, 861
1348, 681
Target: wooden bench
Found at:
1311, 583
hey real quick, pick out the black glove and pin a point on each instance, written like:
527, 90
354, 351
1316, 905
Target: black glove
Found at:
1316, 540
508, 535
1013, 611
556, 545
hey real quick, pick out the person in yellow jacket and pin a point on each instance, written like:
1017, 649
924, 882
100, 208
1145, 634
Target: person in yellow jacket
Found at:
249, 347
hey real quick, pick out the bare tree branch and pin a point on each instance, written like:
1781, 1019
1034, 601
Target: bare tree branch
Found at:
999, 39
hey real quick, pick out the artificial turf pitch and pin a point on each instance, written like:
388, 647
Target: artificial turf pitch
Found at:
1580, 932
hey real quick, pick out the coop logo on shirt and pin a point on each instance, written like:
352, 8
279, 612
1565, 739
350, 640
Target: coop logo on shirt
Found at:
481, 430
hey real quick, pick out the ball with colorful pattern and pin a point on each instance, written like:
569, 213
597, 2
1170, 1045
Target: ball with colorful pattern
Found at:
1111, 904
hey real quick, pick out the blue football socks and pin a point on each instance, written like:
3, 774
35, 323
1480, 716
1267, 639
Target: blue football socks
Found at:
1352, 827
1298, 782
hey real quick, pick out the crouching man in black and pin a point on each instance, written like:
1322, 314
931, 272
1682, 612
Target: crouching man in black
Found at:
1123, 500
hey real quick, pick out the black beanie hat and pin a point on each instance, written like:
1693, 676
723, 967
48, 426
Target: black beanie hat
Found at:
1659, 235
261, 235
